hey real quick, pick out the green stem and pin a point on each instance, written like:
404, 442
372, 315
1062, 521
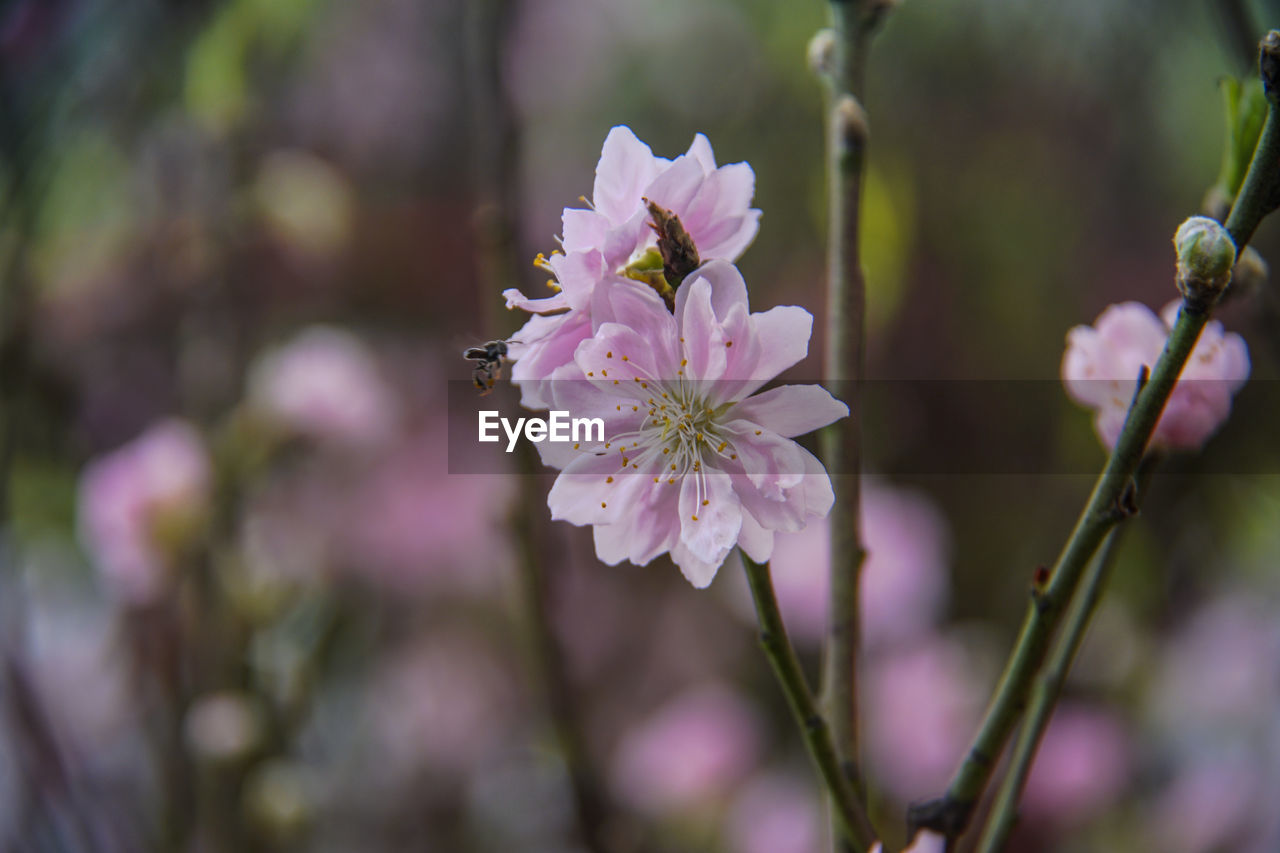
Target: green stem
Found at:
853, 24
1107, 506
852, 820
1048, 687
1257, 195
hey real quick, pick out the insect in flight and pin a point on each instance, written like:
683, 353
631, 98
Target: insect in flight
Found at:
488, 363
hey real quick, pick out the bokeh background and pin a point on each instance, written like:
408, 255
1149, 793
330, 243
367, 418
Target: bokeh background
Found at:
245, 606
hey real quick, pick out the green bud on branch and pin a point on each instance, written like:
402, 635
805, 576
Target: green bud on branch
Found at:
1206, 254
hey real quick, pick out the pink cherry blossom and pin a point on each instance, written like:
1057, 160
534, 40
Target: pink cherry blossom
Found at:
601, 241
324, 384
688, 753
692, 463
1101, 364
140, 504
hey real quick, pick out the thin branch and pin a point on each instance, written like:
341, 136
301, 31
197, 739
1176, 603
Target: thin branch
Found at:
1107, 506
851, 818
853, 22
1048, 687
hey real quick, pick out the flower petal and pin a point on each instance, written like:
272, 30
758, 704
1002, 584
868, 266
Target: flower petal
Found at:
791, 410
701, 336
594, 489
782, 334
710, 516
727, 288
626, 168
755, 539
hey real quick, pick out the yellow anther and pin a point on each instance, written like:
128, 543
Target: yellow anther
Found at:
608, 479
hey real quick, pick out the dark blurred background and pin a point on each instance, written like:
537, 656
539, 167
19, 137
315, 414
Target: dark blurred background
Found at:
267, 229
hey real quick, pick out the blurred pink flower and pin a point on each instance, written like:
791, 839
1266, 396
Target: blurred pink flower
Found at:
693, 464
410, 524
324, 384
775, 813
1100, 370
1082, 766
921, 705
1216, 678
444, 704
904, 578
601, 241
1213, 805
689, 753
141, 504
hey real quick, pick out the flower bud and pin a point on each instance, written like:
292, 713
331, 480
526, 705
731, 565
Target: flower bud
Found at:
851, 123
822, 52
1206, 254
1269, 64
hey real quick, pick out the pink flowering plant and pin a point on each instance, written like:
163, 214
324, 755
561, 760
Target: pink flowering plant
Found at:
693, 461
650, 333
613, 242
257, 569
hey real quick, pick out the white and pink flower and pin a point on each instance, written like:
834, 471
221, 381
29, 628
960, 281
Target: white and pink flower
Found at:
1101, 364
610, 238
692, 463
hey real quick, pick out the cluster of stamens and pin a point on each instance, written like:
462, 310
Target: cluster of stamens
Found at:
679, 434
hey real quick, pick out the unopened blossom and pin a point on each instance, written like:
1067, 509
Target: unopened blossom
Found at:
611, 240
903, 580
324, 384
1101, 365
141, 504
691, 462
689, 753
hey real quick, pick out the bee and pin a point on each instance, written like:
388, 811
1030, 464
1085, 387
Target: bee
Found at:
488, 364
